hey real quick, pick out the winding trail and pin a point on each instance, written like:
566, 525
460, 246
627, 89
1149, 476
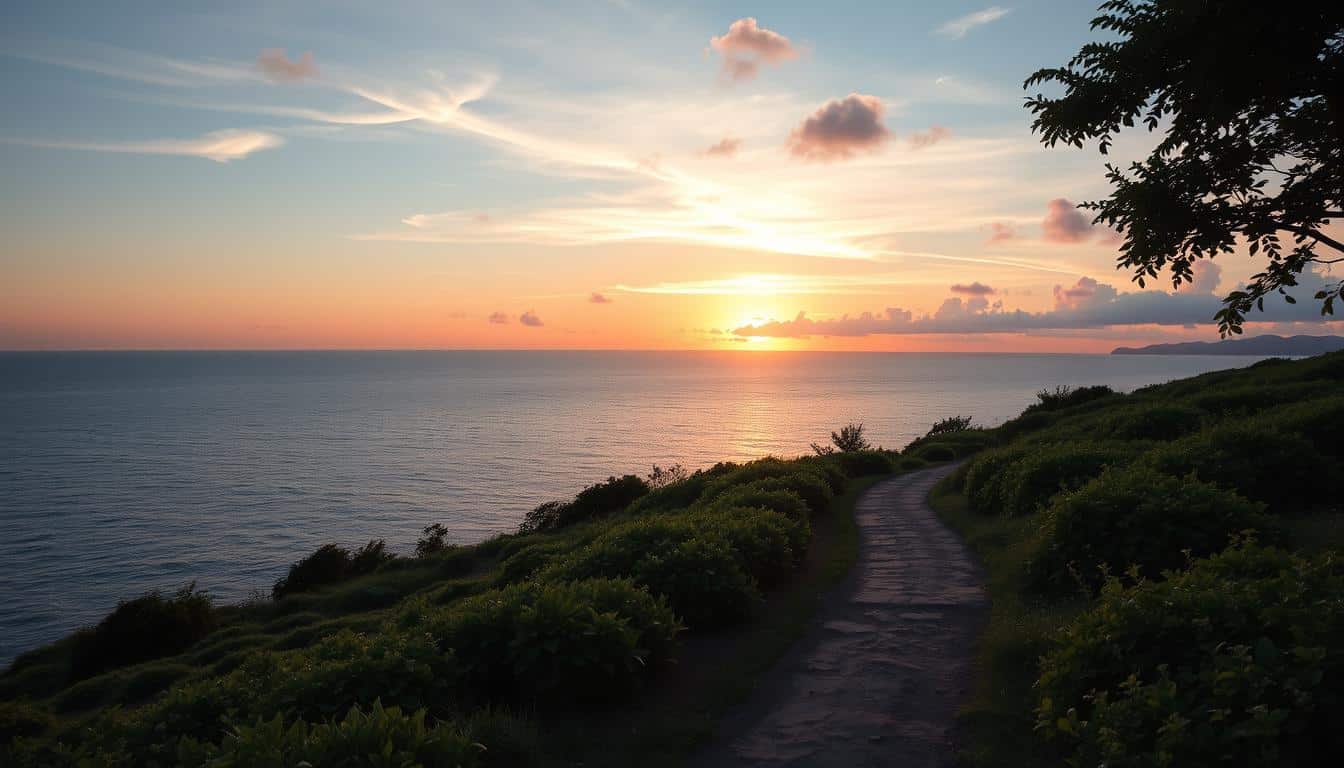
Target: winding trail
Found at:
878, 679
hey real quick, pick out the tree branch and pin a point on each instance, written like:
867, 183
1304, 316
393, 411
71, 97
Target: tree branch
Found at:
1313, 234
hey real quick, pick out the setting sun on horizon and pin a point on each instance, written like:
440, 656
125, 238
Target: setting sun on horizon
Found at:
636, 178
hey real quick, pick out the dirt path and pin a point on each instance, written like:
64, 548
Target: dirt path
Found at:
877, 680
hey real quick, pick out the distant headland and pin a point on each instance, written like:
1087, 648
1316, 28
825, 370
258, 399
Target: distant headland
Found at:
1292, 346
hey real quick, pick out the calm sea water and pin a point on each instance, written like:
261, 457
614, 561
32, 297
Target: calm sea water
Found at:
125, 472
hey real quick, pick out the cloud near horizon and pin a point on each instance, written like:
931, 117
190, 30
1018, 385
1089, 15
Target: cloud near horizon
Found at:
747, 46
840, 129
1087, 304
958, 28
498, 318
277, 66
530, 319
973, 289
598, 298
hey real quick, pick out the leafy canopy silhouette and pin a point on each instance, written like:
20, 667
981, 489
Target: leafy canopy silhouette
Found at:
1249, 99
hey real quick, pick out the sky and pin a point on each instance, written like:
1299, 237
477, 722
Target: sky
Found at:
612, 174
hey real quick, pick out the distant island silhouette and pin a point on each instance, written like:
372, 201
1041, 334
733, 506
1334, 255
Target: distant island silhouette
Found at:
1269, 344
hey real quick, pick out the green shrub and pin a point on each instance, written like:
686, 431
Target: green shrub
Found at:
592, 503
1251, 399
1319, 421
22, 720
1030, 481
1155, 421
786, 503
864, 463
376, 739
910, 463
808, 486
331, 564
962, 443
681, 494
827, 469
1281, 470
1136, 517
149, 627
766, 543
527, 561
985, 475
587, 643
1067, 397
936, 452
702, 577
1234, 662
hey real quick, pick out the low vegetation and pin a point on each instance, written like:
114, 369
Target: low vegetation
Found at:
1164, 571
612, 629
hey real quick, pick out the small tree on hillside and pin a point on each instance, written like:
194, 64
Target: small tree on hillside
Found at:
949, 425
848, 440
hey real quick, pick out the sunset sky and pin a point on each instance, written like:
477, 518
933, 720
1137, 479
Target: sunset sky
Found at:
606, 174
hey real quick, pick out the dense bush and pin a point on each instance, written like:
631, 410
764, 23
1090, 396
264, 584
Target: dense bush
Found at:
149, 627
766, 543
1136, 517
1153, 421
406, 669
575, 644
1028, 483
936, 452
864, 463
22, 720
949, 425
827, 469
1250, 399
984, 477
592, 503
331, 564
785, 503
1321, 422
1235, 662
376, 739
1252, 458
808, 486
525, 562
680, 495
702, 577
1067, 397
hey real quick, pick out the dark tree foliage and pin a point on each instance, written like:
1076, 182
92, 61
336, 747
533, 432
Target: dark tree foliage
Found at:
149, 627
949, 425
1249, 99
331, 564
848, 440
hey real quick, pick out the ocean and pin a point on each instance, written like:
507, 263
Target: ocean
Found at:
122, 472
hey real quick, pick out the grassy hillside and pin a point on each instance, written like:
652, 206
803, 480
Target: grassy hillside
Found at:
1165, 573
614, 628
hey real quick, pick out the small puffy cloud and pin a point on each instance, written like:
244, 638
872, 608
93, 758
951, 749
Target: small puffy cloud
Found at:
840, 128
999, 232
973, 289
747, 46
498, 318
935, 134
275, 65
598, 298
530, 319
958, 27
1064, 223
726, 147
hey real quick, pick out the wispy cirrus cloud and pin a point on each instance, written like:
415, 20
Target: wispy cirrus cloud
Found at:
959, 27
220, 146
